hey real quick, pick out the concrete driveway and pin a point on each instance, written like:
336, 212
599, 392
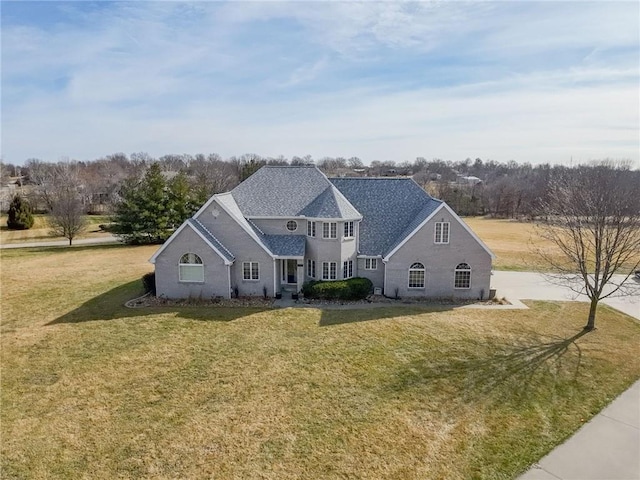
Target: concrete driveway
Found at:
536, 286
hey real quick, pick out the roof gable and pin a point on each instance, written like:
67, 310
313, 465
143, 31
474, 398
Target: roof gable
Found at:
389, 207
203, 233
275, 191
330, 204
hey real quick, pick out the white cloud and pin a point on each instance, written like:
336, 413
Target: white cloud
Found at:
531, 82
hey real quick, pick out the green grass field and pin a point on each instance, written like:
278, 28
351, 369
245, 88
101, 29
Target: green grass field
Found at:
91, 389
40, 232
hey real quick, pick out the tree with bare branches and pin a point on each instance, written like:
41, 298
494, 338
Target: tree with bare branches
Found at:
593, 217
67, 211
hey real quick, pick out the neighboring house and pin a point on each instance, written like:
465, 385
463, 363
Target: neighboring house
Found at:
286, 225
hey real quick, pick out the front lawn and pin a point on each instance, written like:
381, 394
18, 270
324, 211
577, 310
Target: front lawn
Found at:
92, 389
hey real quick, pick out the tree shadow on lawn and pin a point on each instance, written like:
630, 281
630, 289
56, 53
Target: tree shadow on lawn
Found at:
495, 370
110, 306
338, 316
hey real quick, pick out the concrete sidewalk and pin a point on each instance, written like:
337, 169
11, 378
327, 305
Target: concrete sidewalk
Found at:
606, 448
62, 243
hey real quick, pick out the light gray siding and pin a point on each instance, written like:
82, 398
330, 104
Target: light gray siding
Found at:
244, 248
216, 280
376, 276
440, 262
279, 226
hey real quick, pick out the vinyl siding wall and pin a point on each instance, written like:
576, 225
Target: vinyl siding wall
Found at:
440, 262
216, 283
243, 247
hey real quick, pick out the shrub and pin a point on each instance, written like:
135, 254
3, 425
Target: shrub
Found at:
352, 289
20, 216
149, 283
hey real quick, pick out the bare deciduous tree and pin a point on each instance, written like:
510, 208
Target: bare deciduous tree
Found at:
67, 211
593, 217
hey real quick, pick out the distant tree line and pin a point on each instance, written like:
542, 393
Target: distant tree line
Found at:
470, 187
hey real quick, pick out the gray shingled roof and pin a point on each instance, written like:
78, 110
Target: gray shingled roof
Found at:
330, 204
211, 238
275, 191
286, 245
391, 209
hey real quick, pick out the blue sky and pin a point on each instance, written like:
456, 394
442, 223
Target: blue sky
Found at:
526, 81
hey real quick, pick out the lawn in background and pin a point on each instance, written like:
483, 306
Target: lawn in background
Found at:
92, 389
515, 243
40, 230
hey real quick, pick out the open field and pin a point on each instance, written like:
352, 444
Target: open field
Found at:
513, 242
92, 389
40, 230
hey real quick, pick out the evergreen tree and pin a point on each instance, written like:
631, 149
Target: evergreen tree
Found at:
182, 202
20, 216
151, 208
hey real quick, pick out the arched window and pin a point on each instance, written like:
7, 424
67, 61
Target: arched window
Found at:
190, 268
462, 277
416, 275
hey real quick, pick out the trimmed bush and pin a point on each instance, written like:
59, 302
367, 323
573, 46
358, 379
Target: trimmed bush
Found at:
352, 289
20, 216
149, 283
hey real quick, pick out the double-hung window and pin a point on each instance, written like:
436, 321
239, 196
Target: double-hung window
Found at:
370, 263
329, 270
311, 268
311, 229
348, 229
441, 233
190, 268
329, 230
347, 269
250, 271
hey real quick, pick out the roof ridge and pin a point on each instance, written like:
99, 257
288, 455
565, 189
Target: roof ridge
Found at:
200, 224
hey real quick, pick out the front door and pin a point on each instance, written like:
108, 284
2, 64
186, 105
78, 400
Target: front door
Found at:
290, 271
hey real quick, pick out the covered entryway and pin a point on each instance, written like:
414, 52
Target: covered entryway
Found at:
290, 271
291, 275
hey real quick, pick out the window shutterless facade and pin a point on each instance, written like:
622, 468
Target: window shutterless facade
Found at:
329, 270
416, 276
370, 263
347, 269
190, 268
462, 278
329, 230
311, 268
250, 271
311, 229
441, 234
348, 229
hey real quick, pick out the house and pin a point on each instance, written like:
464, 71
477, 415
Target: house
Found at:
285, 225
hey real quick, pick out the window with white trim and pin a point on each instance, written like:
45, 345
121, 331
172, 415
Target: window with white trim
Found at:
329, 270
250, 271
190, 268
370, 263
311, 229
347, 269
292, 225
416, 275
311, 268
348, 229
441, 234
329, 230
462, 278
